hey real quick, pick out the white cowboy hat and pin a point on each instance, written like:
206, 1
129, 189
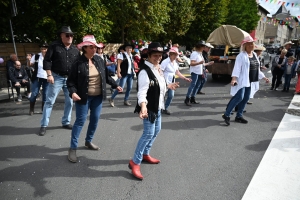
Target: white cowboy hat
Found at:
87, 41
259, 48
289, 42
209, 45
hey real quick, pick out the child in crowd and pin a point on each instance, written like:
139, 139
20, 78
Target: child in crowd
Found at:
289, 72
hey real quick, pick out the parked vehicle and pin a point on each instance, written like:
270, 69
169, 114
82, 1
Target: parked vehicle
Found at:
227, 40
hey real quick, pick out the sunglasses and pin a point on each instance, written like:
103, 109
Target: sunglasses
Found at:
92, 47
69, 35
18, 65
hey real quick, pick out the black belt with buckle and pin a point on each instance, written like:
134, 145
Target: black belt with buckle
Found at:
61, 74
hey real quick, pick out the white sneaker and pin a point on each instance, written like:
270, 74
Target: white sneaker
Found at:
111, 102
276, 89
20, 98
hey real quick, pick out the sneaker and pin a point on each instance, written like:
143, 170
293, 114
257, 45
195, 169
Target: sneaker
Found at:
271, 88
227, 119
20, 98
276, 89
166, 112
241, 120
111, 102
127, 103
249, 102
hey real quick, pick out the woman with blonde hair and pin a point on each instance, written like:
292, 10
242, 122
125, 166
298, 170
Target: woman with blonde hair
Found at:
278, 66
245, 76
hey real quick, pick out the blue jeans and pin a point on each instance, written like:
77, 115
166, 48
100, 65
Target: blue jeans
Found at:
146, 141
112, 68
203, 81
126, 79
287, 81
240, 99
169, 98
194, 86
94, 104
52, 92
35, 88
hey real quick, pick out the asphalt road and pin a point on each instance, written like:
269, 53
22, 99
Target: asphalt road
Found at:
201, 158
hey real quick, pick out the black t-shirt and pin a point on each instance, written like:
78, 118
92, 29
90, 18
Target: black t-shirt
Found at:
253, 73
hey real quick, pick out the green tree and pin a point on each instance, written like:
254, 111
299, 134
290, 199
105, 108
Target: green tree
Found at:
42, 19
243, 14
182, 14
210, 14
133, 19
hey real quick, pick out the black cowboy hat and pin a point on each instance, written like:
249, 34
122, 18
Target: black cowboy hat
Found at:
128, 45
200, 43
121, 47
155, 47
44, 45
65, 29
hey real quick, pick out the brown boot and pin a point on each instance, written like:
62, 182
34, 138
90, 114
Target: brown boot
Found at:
43, 103
31, 110
151, 160
136, 171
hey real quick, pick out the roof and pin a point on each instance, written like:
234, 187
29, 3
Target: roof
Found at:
263, 9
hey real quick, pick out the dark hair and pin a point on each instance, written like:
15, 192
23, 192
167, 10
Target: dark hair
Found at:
83, 50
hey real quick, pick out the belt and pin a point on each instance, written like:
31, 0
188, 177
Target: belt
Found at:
61, 74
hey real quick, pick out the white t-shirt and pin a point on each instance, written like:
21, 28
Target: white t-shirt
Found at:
41, 72
169, 68
129, 58
197, 69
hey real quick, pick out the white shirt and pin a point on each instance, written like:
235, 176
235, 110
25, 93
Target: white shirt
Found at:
197, 57
41, 73
129, 58
143, 81
169, 68
241, 71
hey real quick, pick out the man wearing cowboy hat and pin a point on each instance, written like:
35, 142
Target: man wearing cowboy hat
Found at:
57, 62
205, 52
125, 71
288, 46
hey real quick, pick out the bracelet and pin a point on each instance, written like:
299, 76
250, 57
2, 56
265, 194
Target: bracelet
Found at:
49, 75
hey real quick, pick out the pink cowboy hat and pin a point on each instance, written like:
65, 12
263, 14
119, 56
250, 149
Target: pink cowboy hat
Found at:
248, 39
87, 41
174, 50
101, 45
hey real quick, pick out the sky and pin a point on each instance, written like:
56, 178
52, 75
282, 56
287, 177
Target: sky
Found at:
272, 7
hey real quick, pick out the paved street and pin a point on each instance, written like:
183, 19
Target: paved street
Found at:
201, 157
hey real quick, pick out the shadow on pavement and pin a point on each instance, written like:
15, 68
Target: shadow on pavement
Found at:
49, 165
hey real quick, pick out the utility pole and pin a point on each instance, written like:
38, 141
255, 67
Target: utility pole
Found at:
14, 13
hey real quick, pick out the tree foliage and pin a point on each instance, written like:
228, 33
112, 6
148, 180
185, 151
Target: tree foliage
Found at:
210, 14
40, 20
137, 18
243, 14
183, 21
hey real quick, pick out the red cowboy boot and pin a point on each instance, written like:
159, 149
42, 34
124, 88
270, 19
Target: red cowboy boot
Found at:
136, 171
149, 159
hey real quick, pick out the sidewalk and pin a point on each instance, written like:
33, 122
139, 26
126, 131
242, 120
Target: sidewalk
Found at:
277, 176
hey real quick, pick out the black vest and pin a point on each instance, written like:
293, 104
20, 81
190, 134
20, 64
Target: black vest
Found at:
36, 67
124, 65
153, 94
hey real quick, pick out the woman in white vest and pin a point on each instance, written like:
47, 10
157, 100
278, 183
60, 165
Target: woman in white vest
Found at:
245, 80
